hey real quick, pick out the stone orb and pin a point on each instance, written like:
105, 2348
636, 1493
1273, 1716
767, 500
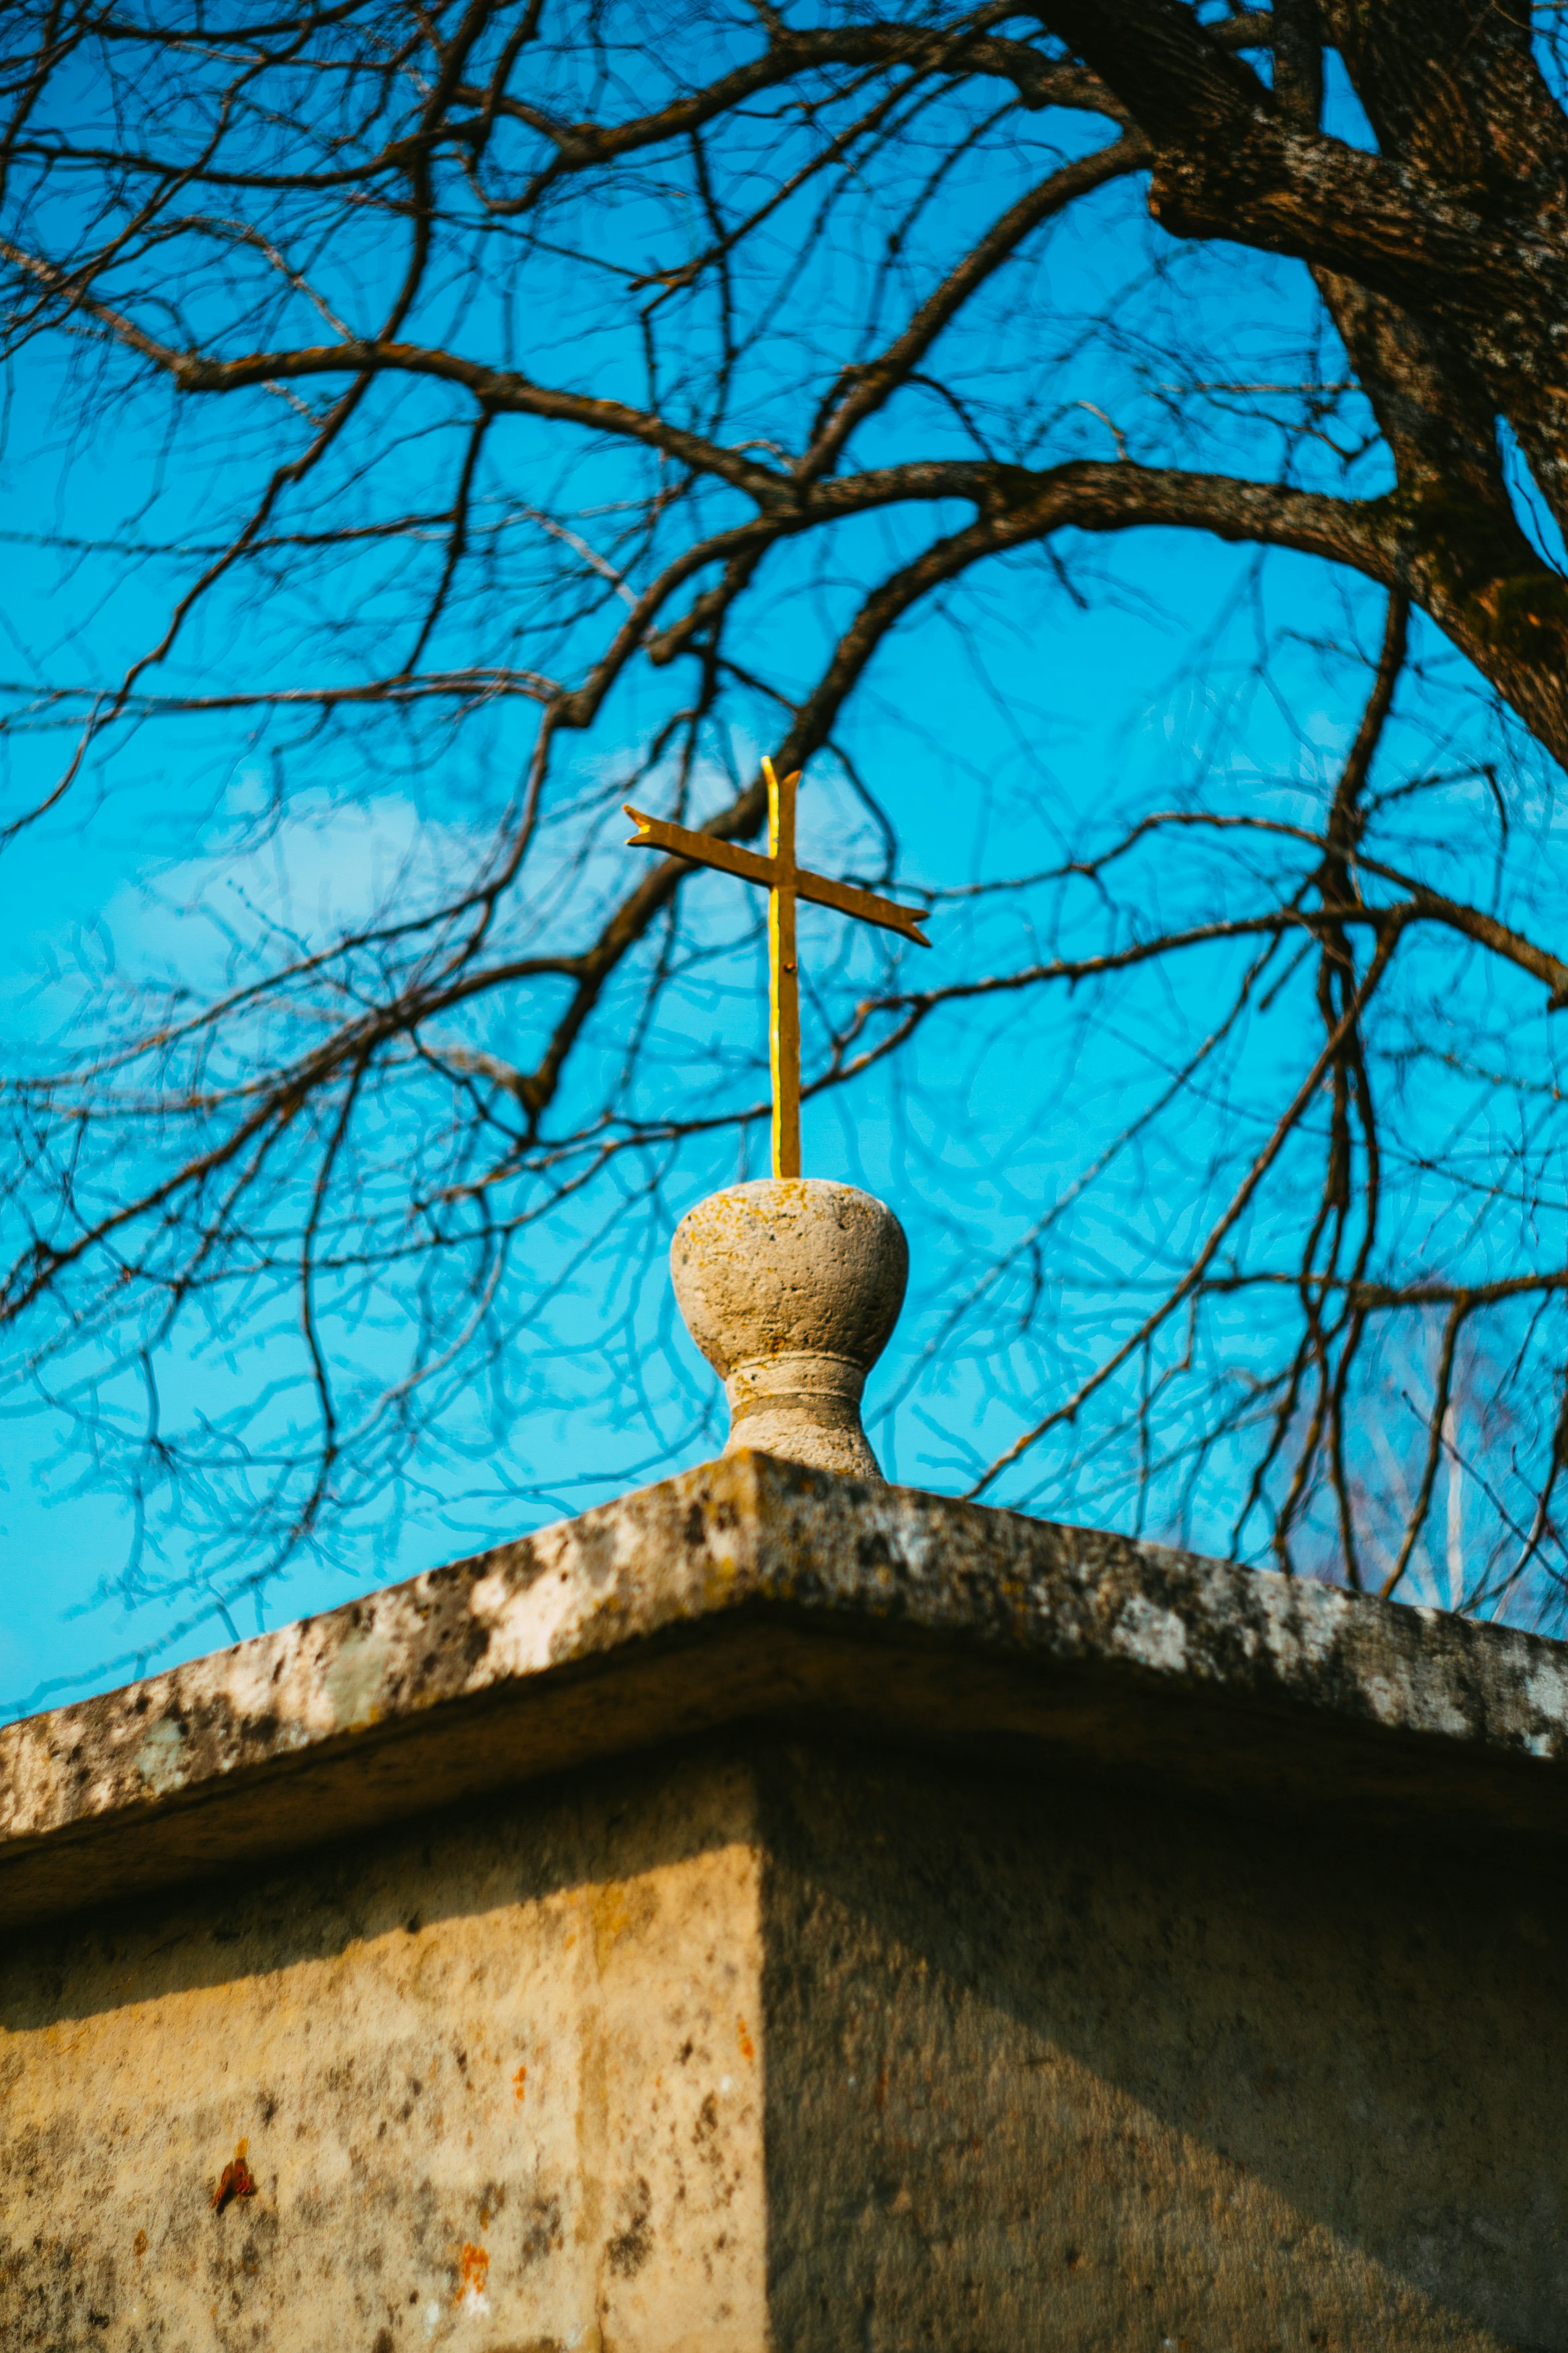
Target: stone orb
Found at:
791, 1288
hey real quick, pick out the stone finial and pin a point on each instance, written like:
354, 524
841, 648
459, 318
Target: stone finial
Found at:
791, 1288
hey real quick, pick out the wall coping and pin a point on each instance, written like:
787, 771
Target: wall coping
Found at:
750, 1590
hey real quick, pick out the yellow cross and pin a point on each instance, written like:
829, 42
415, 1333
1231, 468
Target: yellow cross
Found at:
784, 882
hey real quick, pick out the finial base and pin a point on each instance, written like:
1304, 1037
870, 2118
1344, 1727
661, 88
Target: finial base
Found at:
791, 1288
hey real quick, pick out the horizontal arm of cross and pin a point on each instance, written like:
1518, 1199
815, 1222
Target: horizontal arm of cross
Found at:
706, 849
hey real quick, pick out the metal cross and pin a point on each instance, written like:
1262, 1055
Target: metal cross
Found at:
784, 882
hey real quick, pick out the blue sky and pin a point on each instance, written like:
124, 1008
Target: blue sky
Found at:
1048, 707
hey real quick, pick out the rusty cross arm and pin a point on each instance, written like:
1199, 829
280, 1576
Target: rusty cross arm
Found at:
750, 866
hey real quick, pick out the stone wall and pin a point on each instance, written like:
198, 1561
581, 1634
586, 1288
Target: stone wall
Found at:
488, 2077
809, 1919
1053, 2066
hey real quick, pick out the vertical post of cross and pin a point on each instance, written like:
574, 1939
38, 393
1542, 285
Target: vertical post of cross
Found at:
785, 881
784, 972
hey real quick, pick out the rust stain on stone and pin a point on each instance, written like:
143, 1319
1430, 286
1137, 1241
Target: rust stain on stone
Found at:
235, 2181
473, 2271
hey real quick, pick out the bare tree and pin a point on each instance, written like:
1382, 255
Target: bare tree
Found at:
527, 402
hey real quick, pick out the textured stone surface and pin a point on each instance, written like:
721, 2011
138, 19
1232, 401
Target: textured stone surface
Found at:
1048, 2070
791, 1288
771, 2045
774, 1913
751, 1588
497, 2086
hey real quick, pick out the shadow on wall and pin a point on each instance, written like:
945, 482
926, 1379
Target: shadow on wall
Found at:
1043, 2048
